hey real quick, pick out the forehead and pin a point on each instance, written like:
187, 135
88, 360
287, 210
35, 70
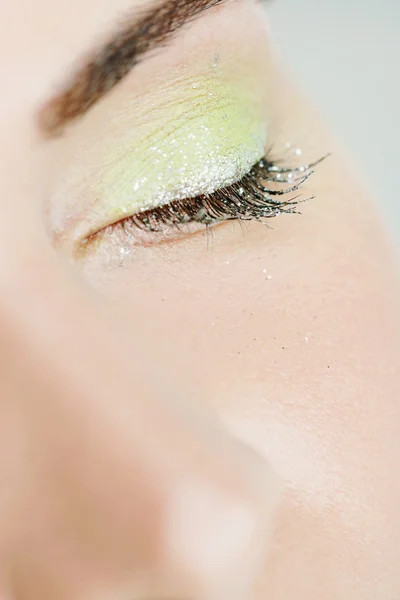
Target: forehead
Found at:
42, 37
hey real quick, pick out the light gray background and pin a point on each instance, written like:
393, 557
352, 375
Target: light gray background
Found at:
346, 53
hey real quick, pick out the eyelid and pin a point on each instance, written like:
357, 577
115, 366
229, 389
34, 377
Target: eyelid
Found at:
196, 146
114, 172
190, 148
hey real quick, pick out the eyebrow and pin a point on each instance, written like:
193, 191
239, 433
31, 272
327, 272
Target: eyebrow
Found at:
108, 65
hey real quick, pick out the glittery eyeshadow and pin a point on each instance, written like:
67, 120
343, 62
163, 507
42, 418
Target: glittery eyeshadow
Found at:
189, 131
203, 140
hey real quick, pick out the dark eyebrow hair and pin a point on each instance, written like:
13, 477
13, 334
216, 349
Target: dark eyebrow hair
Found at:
109, 64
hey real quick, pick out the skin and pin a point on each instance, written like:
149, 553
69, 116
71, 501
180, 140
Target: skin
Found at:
213, 416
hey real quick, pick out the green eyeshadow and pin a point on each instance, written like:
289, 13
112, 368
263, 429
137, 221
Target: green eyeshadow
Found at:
196, 139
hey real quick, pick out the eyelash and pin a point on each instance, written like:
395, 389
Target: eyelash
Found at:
268, 190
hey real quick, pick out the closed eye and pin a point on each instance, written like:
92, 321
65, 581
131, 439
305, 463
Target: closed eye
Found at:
268, 190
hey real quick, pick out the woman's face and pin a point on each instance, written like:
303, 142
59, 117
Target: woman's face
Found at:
289, 332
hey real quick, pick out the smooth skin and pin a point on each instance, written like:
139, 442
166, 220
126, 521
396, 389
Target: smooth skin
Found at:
214, 417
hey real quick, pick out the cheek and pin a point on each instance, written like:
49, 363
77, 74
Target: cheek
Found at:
290, 335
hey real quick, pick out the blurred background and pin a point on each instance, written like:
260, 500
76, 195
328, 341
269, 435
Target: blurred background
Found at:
346, 54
